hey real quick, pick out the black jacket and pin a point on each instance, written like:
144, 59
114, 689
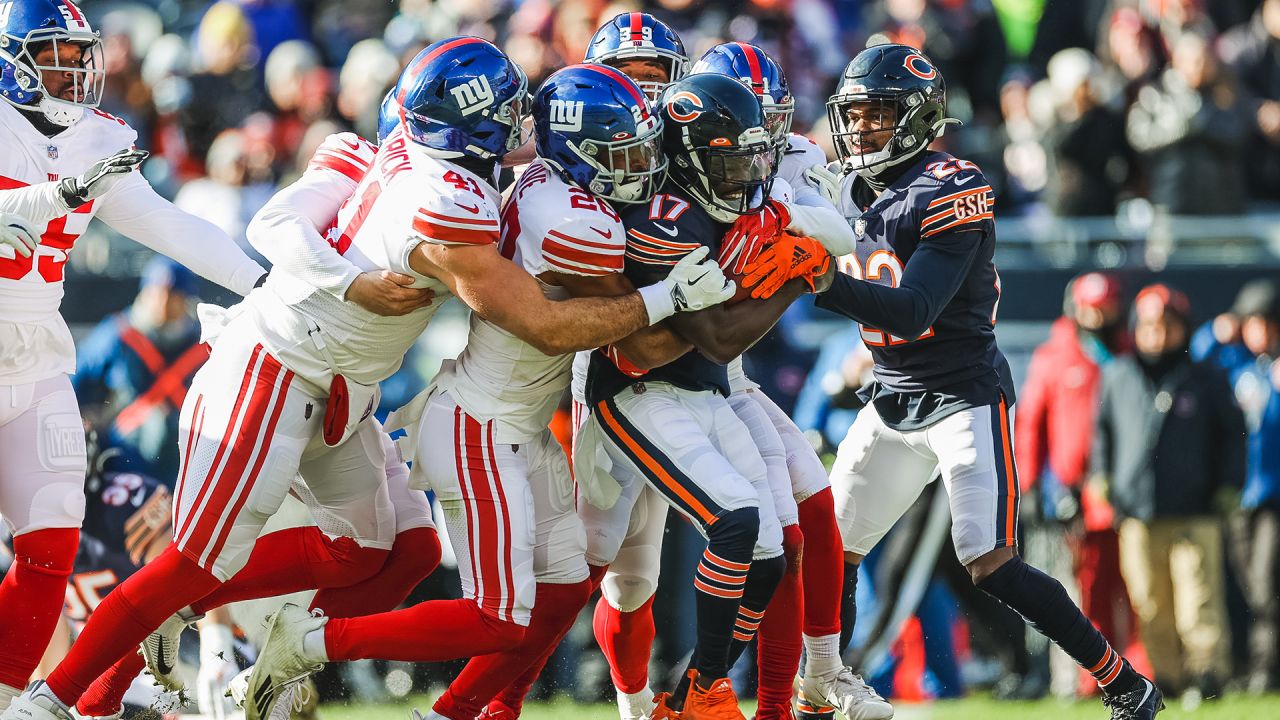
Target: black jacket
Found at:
1167, 446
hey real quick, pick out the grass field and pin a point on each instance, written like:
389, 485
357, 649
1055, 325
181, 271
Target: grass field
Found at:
970, 709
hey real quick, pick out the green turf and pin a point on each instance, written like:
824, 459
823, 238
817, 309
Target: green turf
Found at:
971, 709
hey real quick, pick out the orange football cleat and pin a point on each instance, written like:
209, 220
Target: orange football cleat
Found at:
661, 711
717, 702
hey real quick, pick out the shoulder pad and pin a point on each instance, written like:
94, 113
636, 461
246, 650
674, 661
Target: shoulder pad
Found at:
957, 197
803, 150
666, 229
449, 215
112, 133
346, 153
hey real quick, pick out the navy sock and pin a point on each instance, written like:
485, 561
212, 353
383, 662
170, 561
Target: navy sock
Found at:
719, 583
1044, 603
848, 605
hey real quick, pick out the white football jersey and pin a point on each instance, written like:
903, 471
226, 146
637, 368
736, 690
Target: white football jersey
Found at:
548, 226
800, 155
405, 197
34, 340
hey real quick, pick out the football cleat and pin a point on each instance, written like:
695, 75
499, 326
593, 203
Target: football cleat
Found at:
806, 710
1140, 703
717, 702
661, 710
37, 703
282, 664
160, 650
847, 693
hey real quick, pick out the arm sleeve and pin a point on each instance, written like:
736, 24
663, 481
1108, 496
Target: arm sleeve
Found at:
38, 203
929, 281
287, 230
134, 209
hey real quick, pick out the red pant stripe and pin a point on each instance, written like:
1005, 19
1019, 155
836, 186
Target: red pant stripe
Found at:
246, 440
250, 373
246, 486
495, 480
463, 471
485, 525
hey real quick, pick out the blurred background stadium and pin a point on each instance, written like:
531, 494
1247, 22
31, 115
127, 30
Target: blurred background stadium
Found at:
1139, 138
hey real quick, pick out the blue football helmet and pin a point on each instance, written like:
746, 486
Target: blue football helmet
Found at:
754, 68
640, 36
463, 97
594, 126
388, 115
27, 29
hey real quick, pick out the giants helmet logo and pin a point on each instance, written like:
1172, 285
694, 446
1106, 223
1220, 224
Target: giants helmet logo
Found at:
474, 95
566, 115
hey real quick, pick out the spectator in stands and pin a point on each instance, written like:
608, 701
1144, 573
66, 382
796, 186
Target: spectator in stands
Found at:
1249, 355
225, 90
370, 70
1190, 129
1022, 172
1086, 146
235, 187
299, 91
1169, 449
1252, 51
1054, 425
133, 371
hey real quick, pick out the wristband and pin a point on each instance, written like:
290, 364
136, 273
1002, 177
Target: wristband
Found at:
658, 302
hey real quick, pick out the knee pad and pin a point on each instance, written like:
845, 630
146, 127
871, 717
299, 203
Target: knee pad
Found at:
628, 593
733, 535
50, 552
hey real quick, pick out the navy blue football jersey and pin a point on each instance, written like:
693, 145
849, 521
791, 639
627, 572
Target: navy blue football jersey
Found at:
931, 234
118, 510
659, 234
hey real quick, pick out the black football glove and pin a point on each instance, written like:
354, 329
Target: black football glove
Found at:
99, 178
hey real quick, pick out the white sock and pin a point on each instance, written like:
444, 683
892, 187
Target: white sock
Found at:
822, 656
635, 705
313, 646
7, 694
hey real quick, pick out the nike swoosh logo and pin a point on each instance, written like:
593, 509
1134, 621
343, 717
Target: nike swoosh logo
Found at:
670, 231
606, 235
958, 181
353, 145
164, 667
695, 281
473, 209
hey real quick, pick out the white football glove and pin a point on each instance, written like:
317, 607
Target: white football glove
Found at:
826, 181
98, 179
19, 234
694, 283
217, 668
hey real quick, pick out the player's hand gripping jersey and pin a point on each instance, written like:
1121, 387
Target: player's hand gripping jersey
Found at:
34, 340
548, 226
404, 197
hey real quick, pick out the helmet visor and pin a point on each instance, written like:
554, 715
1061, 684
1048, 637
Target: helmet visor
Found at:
737, 179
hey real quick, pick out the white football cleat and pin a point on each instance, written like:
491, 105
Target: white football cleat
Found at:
37, 703
160, 650
282, 664
847, 693
238, 688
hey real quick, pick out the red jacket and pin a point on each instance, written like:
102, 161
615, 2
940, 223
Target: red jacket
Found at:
1054, 422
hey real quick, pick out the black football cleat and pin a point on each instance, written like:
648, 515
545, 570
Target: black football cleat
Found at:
1140, 703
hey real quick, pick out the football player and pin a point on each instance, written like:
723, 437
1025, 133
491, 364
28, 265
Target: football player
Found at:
65, 162
671, 430
307, 367
802, 493
643, 47
925, 290
599, 149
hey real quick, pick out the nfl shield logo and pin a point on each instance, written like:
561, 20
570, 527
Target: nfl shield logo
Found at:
860, 226
53, 152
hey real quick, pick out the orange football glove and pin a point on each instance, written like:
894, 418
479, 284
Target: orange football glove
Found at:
789, 257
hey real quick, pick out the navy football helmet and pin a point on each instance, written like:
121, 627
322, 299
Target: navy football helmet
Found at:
754, 68
463, 97
640, 36
594, 126
720, 152
898, 91
27, 28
